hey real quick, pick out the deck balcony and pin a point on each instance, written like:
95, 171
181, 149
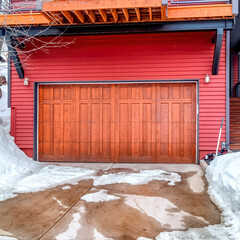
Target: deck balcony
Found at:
79, 12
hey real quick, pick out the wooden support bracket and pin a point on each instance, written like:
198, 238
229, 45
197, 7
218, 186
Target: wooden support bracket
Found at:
14, 55
217, 39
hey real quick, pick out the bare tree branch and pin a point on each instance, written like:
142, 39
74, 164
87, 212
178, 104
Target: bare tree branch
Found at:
19, 36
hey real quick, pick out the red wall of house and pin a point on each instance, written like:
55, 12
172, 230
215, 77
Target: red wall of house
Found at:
160, 56
235, 72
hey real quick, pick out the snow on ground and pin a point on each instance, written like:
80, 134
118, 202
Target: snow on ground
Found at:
73, 227
4, 110
100, 196
20, 174
50, 176
99, 236
143, 177
7, 238
72, 230
223, 175
158, 208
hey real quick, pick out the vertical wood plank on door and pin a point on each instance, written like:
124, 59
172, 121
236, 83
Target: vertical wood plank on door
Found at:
153, 124
113, 124
117, 122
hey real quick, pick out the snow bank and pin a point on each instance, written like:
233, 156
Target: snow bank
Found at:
4, 110
223, 175
13, 163
20, 174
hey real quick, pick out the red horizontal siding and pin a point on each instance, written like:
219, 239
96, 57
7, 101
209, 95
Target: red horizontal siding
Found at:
235, 72
128, 57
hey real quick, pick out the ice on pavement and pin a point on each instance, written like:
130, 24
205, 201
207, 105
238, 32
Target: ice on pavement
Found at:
100, 196
143, 177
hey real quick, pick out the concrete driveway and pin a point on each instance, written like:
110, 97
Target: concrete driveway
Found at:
115, 211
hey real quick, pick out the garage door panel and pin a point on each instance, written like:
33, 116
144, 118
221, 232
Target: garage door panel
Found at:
135, 92
67, 128
176, 92
106, 119
57, 93
117, 123
83, 94
57, 129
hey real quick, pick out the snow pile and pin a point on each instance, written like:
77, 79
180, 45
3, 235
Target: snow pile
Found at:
4, 110
13, 163
223, 176
20, 174
101, 196
143, 177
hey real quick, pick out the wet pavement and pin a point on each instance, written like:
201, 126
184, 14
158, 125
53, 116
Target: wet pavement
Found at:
132, 211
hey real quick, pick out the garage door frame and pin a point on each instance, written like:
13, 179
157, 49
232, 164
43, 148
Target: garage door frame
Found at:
36, 107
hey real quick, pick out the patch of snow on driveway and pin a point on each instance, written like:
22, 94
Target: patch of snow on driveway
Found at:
196, 184
51, 176
157, 207
100, 196
212, 232
143, 177
72, 230
7, 238
99, 236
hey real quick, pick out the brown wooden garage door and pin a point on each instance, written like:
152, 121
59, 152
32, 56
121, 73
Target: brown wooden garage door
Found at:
118, 123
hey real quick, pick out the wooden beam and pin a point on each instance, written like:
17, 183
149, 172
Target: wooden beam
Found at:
24, 19
79, 16
66, 5
103, 14
14, 55
217, 51
91, 15
138, 14
57, 16
115, 14
150, 14
201, 11
126, 14
68, 16
49, 17
163, 12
